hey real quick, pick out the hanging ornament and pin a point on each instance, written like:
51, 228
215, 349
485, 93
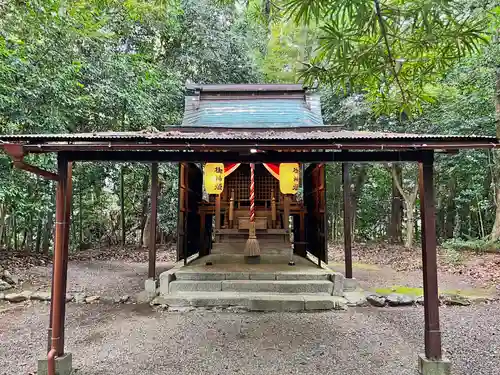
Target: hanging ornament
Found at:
289, 178
214, 178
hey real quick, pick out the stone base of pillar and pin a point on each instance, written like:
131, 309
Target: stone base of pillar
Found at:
150, 288
64, 365
433, 367
350, 285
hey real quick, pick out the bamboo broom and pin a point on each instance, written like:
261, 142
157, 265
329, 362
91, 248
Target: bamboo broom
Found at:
252, 248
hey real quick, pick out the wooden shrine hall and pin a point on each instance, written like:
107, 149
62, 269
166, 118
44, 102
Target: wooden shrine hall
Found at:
241, 150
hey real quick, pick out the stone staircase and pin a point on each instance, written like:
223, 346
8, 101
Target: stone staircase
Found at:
265, 287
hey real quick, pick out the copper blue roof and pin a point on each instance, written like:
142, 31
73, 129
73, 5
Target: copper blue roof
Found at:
251, 106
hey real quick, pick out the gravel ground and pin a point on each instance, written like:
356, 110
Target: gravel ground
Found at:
134, 339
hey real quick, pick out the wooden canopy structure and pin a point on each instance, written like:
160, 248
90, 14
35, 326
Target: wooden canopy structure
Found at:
307, 141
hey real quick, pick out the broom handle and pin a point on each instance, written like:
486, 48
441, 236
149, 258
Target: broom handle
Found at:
252, 193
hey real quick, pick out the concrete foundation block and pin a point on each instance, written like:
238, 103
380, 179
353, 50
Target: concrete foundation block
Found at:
276, 303
64, 365
237, 276
150, 288
200, 276
338, 281
319, 302
195, 286
165, 279
263, 276
274, 286
350, 285
218, 299
433, 367
301, 276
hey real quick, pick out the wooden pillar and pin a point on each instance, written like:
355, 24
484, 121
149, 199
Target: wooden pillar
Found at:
273, 210
202, 246
347, 220
67, 224
231, 210
217, 212
58, 296
286, 216
186, 212
429, 259
152, 231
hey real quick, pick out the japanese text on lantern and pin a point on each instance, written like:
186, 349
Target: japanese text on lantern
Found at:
214, 178
289, 178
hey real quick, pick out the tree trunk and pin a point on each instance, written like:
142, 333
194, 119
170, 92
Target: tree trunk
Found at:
394, 231
410, 223
356, 191
450, 211
145, 200
495, 232
122, 204
409, 201
48, 228
38, 240
3, 210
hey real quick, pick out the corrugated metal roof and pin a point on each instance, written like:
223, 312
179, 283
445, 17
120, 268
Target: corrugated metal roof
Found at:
305, 134
252, 106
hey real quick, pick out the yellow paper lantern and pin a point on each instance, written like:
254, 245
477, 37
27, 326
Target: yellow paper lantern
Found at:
214, 178
289, 178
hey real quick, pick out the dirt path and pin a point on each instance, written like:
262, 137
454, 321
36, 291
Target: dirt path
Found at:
104, 278
131, 339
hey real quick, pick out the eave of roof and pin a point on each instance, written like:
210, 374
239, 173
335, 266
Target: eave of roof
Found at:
308, 138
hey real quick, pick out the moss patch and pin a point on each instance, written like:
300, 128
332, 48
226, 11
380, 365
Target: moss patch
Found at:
401, 290
471, 293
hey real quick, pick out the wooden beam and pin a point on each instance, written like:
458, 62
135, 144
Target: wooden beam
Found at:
152, 231
38, 171
432, 333
346, 185
260, 157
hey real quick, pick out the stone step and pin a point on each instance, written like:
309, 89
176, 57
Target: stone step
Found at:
253, 301
246, 275
254, 286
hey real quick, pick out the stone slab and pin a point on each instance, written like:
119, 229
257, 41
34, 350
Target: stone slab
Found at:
262, 276
150, 288
276, 286
235, 299
237, 276
276, 303
433, 367
200, 276
301, 276
165, 279
64, 365
324, 303
252, 301
350, 285
338, 283
355, 299
171, 300
195, 286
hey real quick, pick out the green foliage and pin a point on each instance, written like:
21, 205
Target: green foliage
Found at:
106, 65
474, 245
394, 51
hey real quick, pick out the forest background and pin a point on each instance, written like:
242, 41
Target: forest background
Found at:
388, 65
